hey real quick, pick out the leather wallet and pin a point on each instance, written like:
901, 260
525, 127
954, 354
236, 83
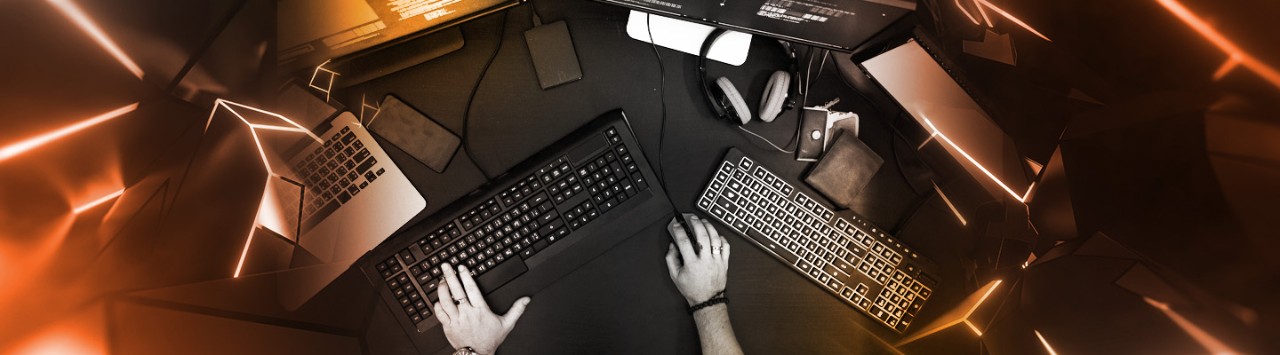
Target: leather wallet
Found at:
414, 133
845, 170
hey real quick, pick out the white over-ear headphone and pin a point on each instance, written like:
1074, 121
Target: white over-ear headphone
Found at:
727, 102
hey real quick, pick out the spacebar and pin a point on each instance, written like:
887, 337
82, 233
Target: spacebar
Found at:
501, 274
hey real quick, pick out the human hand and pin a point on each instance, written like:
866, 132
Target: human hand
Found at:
467, 319
698, 274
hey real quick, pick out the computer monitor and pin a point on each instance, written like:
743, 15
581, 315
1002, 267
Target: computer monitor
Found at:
834, 24
313, 31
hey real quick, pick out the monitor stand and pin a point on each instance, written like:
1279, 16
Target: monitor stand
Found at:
361, 68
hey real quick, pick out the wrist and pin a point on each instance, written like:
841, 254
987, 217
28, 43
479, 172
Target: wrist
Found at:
700, 297
716, 300
712, 312
710, 317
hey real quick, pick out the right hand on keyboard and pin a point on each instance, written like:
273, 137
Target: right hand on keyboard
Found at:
466, 317
699, 274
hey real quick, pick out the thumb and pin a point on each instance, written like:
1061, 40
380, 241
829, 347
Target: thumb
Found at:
673, 261
513, 315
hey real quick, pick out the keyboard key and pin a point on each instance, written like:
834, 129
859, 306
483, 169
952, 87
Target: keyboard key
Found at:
366, 165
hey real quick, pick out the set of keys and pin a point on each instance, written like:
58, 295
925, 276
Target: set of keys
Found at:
833, 117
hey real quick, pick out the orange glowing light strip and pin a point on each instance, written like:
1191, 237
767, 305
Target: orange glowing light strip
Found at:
966, 13
1236, 54
363, 106
949, 204
1208, 341
993, 287
15, 149
983, 13
76, 15
939, 325
1226, 67
943, 138
277, 128
972, 327
981, 300
293, 126
262, 153
1045, 343
332, 76
244, 253
99, 201
1009, 16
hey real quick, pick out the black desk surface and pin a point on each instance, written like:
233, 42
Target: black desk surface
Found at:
624, 301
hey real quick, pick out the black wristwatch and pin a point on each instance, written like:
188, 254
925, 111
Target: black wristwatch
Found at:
466, 350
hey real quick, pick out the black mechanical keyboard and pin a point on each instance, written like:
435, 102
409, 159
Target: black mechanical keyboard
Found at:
543, 219
846, 255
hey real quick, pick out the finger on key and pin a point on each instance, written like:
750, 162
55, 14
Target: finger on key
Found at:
441, 315
700, 232
682, 241
446, 300
473, 291
712, 235
455, 285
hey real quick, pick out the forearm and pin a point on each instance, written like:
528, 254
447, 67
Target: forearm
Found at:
715, 332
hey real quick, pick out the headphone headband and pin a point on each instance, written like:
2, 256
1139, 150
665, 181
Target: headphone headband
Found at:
719, 107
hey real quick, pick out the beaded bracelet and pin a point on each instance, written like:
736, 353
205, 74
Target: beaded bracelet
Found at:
718, 298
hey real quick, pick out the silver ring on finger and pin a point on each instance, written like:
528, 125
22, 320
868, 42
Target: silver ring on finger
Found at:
458, 301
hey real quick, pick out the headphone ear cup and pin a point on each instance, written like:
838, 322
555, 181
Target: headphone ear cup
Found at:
775, 94
736, 103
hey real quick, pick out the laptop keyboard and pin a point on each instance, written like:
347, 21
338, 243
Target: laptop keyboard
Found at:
539, 210
334, 173
849, 258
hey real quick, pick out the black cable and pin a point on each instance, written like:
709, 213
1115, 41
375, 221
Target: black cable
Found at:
897, 160
466, 113
537, 19
662, 98
536, 15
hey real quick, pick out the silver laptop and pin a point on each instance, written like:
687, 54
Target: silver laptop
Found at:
353, 198
353, 195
